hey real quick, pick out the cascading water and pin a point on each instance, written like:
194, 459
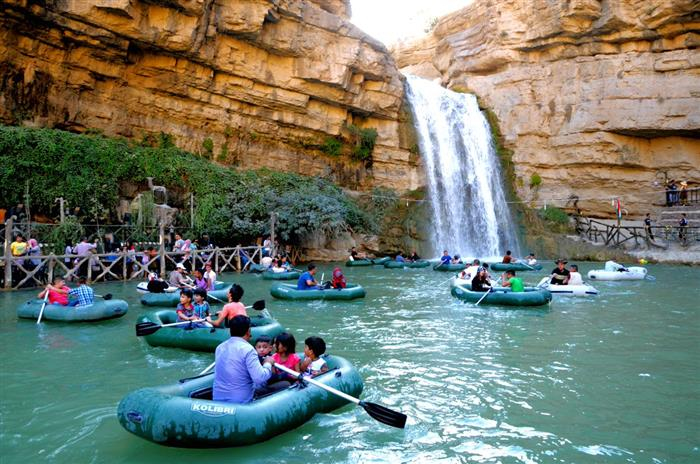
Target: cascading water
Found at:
470, 213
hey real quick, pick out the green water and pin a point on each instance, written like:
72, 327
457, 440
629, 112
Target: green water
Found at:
614, 378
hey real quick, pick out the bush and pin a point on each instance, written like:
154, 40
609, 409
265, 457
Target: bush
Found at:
232, 206
535, 180
364, 140
555, 215
332, 146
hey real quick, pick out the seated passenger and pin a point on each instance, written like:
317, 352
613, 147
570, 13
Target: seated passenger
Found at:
414, 257
277, 268
199, 280
399, 258
201, 307
531, 260
285, 347
445, 258
508, 258
480, 282
263, 346
471, 271
306, 280
84, 295
232, 309
156, 284
456, 260
560, 274
185, 309
266, 262
574, 276
58, 292
178, 277
313, 364
238, 374
515, 283
338, 279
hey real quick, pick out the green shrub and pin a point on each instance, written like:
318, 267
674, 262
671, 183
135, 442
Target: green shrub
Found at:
363, 141
332, 146
555, 215
233, 206
535, 180
208, 146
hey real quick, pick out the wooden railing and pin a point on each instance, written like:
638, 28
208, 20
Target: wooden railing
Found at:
618, 236
35, 270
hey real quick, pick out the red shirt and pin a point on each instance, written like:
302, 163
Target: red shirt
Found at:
58, 297
507, 259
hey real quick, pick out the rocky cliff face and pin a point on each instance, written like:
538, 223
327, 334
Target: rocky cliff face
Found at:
253, 83
597, 98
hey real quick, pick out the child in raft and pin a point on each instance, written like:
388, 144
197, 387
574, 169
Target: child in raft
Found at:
185, 311
285, 347
263, 346
199, 280
232, 309
201, 306
313, 364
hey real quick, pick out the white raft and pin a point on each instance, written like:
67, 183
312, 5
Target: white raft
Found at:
571, 290
615, 271
142, 287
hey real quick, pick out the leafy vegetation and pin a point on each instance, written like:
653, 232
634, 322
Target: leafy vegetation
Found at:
332, 146
535, 180
363, 142
232, 206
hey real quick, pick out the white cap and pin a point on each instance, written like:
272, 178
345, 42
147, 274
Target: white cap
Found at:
180, 266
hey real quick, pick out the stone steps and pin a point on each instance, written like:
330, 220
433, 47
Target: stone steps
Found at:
671, 218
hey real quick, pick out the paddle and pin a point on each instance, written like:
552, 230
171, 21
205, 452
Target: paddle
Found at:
376, 411
650, 277
148, 327
482, 298
106, 296
206, 371
208, 294
43, 305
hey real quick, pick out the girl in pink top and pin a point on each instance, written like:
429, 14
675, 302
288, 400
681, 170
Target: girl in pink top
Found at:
285, 346
233, 308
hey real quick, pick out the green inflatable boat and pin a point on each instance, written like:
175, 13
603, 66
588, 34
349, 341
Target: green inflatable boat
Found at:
381, 261
358, 262
201, 339
502, 267
289, 275
503, 296
100, 309
392, 264
171, 300
290, 292
183, 414
449, 267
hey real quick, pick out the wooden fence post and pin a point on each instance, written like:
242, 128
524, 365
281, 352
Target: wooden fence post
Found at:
238, 258
52, 264
161, 248
273, 217
8, 253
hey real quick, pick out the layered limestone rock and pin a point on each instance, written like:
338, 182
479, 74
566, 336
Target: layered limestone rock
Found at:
600, 99
252, 83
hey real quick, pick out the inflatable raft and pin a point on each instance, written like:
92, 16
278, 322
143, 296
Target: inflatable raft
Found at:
571, 290
170, 300
100, 309
449, 267
502, 267
290, 292
201, 339
503, 296
381, 261
183, 414
289, 275
358, 262
142, 287
400, 265
615, 271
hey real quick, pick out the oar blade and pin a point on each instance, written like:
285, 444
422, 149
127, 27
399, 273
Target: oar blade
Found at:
259, 305
384, 414
146, 328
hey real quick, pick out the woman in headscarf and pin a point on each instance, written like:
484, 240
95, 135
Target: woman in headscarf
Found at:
338, 279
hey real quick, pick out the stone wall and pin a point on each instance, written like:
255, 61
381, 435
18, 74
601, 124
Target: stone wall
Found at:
251, 83
599, 98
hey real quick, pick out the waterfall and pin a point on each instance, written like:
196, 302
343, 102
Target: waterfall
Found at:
470, 216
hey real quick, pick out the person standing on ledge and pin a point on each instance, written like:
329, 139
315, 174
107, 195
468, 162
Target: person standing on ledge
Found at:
682, 228
647, 227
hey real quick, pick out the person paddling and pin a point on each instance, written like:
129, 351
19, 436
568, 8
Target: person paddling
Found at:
480, 282
232, 309
515, 283
306, 280
445, 258
560, 275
